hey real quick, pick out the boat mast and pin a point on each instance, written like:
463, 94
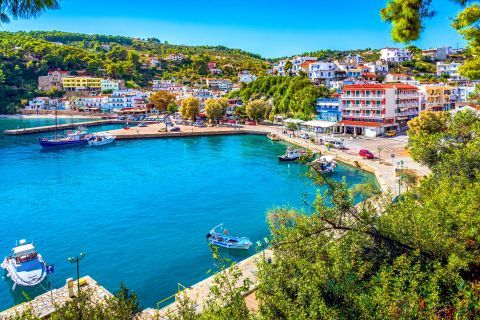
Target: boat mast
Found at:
55, 122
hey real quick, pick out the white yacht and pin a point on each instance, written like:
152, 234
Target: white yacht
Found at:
25, 266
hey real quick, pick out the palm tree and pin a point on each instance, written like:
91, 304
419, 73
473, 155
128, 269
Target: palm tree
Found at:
24, 9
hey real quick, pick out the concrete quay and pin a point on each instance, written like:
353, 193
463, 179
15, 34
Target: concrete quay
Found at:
199, 292
15, 132
45, 304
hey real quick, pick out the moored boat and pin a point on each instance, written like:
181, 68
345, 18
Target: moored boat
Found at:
101, 139
218, 236
273, 137
291, 155
25, 266
73, 138
325, 164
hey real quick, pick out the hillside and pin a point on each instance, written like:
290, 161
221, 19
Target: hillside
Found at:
27, 55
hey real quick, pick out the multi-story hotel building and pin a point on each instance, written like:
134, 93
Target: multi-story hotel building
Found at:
372, 109
81, 83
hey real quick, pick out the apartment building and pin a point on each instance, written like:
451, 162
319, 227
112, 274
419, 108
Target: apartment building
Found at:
395, 55
451, 70
323, 72
219, 84
297, 62
372, 109
436, 98
328, 109
81, 83
437, 53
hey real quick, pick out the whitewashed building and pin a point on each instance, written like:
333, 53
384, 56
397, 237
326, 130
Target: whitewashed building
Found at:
395, 55
246, 77
450, 69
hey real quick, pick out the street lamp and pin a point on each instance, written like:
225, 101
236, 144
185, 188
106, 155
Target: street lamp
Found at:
77, 260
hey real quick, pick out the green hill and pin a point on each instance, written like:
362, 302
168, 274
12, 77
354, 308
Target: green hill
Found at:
27, 55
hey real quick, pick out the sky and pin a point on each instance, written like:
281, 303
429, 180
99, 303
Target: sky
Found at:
270, 28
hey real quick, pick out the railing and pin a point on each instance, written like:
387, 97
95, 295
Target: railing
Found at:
180, 288
373, 96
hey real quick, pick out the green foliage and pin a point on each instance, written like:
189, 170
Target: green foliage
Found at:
162, 99
27, 55
215, 109
257, 110
190, 108
293, 96
226, 297
443, 141
172, 108
24, 9
407, 19
122, 306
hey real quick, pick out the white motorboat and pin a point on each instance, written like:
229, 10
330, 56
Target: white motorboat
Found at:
291, 155
101, 139
325, 164
25, 266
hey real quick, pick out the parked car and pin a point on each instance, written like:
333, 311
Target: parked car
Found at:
251, 123
173, 129
338, 145
304, 135
366, 154
391, 133
199, 124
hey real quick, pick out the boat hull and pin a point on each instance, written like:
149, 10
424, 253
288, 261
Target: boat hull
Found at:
27, 274
96, 143
286, 159
62, 144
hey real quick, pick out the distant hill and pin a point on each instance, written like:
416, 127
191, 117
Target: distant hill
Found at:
27, 55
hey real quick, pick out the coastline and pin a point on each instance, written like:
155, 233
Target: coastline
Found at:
46, 116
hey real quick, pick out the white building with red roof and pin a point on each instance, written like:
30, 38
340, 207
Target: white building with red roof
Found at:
372, 109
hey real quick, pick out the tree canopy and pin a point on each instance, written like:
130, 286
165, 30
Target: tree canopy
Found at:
408, 21
291, 96
190, 108
215, 109
162, 99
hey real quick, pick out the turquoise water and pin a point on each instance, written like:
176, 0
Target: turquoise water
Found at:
140, 210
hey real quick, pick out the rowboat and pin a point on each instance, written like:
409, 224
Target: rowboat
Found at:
218, 236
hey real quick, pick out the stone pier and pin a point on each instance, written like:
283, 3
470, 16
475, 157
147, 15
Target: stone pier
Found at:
45, 304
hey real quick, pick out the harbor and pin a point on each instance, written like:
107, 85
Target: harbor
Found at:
144, 143
65, 126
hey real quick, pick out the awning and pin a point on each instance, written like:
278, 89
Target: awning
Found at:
296, 121
361, 123
320, 124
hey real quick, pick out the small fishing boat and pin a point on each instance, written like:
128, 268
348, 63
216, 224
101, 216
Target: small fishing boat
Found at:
101, 139
218, 236
77, 137
273, 137
291, 155
25, 266
324, 165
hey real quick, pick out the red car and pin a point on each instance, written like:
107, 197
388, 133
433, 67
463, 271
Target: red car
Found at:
366, 154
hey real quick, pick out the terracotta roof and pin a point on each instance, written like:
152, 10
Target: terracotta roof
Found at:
361, 123
307, 63
379, 86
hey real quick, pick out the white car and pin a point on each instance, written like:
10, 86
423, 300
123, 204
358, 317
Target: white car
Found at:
304, 136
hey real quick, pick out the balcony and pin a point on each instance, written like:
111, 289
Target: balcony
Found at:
363, 96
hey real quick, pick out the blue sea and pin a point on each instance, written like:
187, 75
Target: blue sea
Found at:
141, 209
